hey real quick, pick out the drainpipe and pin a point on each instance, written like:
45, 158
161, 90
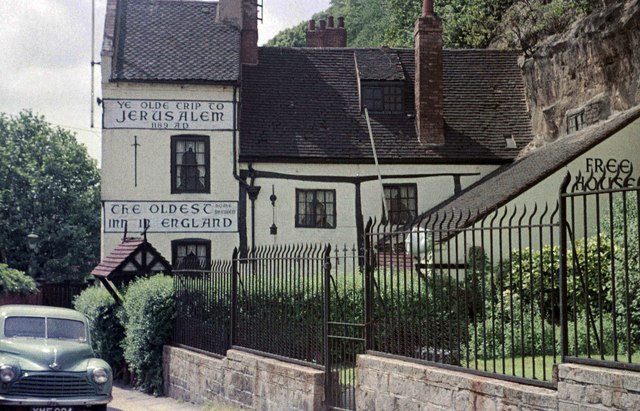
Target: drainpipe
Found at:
253, 191
243, 186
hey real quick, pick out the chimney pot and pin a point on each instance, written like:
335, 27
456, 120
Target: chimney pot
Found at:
427, 8
333, 37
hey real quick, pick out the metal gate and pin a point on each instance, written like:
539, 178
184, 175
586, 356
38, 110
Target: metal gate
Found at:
600, 281
344, 305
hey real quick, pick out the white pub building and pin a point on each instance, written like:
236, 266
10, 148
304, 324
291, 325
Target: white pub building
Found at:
210, 142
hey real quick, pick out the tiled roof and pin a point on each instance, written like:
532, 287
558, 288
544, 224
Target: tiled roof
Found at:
117, 257
170, 41
375, 64
120, 255
301, 104
507, 183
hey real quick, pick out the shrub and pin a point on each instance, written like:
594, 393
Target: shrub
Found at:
15, 282
624, 230
522, 303
106, 331
147, 315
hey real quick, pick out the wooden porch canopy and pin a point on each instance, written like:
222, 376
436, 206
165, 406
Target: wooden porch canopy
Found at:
132, 258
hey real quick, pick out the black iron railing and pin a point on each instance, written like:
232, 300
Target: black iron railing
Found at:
509, 294
469, 292
203, 307
602, 280
280, 301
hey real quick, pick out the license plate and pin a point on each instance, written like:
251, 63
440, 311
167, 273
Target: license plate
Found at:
50, 408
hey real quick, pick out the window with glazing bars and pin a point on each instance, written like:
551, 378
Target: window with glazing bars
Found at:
402, 202
189, 164
191, 253
316, 208
383, 98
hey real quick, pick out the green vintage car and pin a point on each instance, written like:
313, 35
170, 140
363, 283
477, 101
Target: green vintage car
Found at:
47, 363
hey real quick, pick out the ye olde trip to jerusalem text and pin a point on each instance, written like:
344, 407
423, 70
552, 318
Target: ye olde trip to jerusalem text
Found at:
171, 217
168, 114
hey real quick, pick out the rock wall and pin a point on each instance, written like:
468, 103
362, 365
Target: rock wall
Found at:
590, 70
391, 384
242, 380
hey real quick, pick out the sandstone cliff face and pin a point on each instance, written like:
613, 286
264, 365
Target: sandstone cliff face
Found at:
585, 73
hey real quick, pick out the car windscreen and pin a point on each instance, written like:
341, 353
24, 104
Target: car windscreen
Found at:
37, 327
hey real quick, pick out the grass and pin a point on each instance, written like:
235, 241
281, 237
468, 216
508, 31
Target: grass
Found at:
539, 367
525, 366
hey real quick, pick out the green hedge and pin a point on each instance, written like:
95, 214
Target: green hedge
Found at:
147, 315
107, 332
15, 282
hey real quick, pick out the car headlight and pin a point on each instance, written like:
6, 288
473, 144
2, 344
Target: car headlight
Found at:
8, 373
100, 376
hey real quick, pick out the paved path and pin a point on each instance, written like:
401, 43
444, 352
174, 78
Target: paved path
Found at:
127, 399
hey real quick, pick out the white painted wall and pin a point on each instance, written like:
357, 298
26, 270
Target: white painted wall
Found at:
432, 190
154, 160
624, 145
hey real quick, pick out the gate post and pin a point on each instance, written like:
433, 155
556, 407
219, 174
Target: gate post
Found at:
368, 286
326, 268
234, 298
564, 327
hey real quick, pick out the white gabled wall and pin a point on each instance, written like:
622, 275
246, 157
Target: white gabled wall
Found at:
154, 162
621, 147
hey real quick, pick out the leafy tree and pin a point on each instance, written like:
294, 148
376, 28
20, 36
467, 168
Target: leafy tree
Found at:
48, 186
365, 21
466, 23
16, 282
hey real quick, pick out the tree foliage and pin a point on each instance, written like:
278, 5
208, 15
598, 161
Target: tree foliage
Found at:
15, 282
48, 186
466, 23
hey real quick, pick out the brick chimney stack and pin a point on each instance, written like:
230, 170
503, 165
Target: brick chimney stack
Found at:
429, 93
327, 35
243, 14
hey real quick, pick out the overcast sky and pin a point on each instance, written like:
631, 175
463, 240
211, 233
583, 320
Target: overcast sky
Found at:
45, 55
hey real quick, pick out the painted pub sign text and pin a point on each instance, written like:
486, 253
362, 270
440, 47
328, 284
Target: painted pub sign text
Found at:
168, 114
170, 217
605, 174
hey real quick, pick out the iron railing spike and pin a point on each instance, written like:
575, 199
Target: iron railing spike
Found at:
513, 215
533, 214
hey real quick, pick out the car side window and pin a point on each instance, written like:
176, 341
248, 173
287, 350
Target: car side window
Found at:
32, 327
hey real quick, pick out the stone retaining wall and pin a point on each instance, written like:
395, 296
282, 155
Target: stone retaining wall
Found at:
251, 381
243, 380
392, 384
594, 388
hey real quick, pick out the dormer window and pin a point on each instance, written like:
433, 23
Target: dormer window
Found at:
383, 97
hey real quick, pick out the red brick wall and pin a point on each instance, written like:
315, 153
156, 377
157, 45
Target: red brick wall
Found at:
429, 82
